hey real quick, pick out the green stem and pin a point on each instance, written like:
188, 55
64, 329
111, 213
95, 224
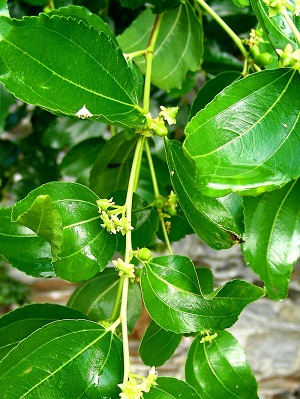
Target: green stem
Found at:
291, 24
152, 170
135, 54
149, 55
165, 233
115, 312
227, 29
125, 330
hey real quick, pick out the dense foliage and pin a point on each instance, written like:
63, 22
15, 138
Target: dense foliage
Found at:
107, 147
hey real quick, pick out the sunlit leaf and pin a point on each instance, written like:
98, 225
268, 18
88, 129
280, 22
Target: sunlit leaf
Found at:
219, 369
242, 139
171, 388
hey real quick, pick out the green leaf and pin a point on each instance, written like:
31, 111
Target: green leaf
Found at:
242, 139
86, 247
278, 31
86, 360
272, 231
219, 369
77, 163
4, 8
44, 219
68, 133
21, 322
206, 280
211, 88
172, 296
171, 388
180, 37
144, 221
241, 3
100, 79
83, 14
96, 298
164, 342
23, 249
6, 99
211, 218
112, 168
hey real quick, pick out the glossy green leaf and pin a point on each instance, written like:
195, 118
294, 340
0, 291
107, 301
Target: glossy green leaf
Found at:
4, 8
85, 247
171, 388
112, 168
6, 99
242, 139
86, 360
219, 369
172, 296
180, 37
68, 132
216, 60
211, 88
24, 249
212, 220
241, 3
157, 345
272, 237
21, 322
100, 79
78, 162
44, 219
83, 14
206, 280
96, 298
144, 221
278, 31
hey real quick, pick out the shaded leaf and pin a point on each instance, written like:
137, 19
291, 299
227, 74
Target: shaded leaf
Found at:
24, 249
172, 296
169, 388
180, 36
178, 228
99, 79
6, 99
68, 133
206, 280
219, 369
86, 247
77, 163
112, 168
164, 342
241, 140
213, 220
21, 322
85, 360
96, 298
272, 237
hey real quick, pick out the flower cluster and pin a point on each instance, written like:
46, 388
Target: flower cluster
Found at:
288, 57
276, 6
111, 220
134, 390
255, 38
124, 268
207, 336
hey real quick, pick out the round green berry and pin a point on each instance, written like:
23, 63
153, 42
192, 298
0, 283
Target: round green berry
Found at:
254, 51
159, 203
171, 210
159, 128
144, 254
263, 59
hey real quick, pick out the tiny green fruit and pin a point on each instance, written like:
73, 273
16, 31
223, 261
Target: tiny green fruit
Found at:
159, 203
171, 210
144, 254
254, 51
263, 59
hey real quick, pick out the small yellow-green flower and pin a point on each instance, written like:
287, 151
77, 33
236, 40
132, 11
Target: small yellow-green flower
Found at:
169, 114
124, 268
84, 113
